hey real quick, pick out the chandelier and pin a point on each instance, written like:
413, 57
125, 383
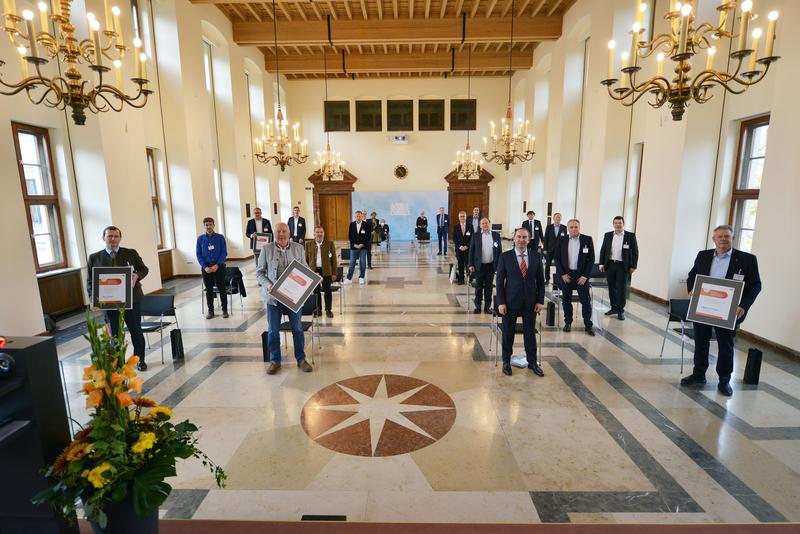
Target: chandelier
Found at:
468, 163
505, 149
58, 41
275, 145
329, 164
680, 45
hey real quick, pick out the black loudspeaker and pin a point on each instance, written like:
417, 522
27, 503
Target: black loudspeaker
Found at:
34, 429
264, 346
551, 314
176, 342
752, 369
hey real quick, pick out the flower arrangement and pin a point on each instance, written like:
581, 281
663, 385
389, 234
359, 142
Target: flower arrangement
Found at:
129, 446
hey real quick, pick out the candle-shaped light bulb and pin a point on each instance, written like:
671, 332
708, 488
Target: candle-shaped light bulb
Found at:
137, 43
770, 40
28, 16
744, 20
98, 52
710, 60
640, 12
43, 15
660, 65
23, 63
756, 36
686, 10
637, 27
118, 72
491, 129
143, 61
116, 26
612, 44
624, 81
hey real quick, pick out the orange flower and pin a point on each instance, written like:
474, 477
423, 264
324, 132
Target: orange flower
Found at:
136, 384
125, 399
98, 379
144, 402
117, 378
132, 360
87, 372
94, 398
87, 387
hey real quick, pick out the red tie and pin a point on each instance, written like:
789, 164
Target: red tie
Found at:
523, 266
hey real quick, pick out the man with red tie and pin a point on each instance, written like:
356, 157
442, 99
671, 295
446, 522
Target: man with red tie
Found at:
520, 291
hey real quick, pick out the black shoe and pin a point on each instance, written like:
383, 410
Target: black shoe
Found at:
612, 311
317, 313
487, 310
590, 331
692, 380
536, 369
141, 366
725, 389
476, 310
567, 327
438, 253
329, 314
621, 316
507, 369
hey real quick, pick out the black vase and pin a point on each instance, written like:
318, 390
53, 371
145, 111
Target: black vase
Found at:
122, 519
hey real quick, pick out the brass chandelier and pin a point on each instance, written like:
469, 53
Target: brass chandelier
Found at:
329, 164
275, 145
505, 149
468, 163
58, 41
685, 40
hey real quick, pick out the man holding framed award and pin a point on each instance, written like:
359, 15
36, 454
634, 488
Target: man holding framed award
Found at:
723, 283
274, 260
114, 282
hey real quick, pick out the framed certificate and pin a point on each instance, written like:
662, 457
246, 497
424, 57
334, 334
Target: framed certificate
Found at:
112, 287
295, 285
714, 301
260, 239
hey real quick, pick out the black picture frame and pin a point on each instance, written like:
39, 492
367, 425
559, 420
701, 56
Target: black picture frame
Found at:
256, 235
302, 270
701, 282
127, 273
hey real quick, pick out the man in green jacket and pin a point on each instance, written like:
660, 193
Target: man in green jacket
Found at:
321, 256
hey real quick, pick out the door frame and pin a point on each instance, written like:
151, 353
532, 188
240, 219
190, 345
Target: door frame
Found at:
481, 185
332, 187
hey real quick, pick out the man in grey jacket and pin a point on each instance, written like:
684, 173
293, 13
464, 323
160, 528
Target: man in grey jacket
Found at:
273, 260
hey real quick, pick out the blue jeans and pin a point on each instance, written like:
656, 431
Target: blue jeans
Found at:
361, 254
274, 314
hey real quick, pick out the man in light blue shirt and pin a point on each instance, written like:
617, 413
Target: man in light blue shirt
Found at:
719, 265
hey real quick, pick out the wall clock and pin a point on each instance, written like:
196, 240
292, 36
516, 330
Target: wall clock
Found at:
400, 172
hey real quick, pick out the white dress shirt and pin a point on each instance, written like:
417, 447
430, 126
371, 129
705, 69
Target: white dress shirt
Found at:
616, 246
358, 227
574, 249
319, 254
487, 243
296, 221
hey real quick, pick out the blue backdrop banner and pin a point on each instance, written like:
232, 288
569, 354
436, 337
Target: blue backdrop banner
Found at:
400, 210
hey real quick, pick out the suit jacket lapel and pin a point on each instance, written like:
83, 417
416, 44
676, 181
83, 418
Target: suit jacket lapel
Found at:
733, 265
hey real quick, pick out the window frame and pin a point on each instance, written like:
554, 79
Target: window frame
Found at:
155, 199
399, 127
380, 116
475, 115
326, 125
427, 128
739, 194
43, 136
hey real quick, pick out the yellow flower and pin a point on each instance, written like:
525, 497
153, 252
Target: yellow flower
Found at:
78, 450
161, 410
96, 477
145, 442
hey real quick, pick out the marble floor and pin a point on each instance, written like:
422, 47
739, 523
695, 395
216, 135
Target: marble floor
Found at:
406, 417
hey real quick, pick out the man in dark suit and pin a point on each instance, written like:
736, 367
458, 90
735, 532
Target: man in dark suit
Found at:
474, 220
574, 258
359, 241
297, 226
723, 261
619, 256
321, 256
520, 291
368, 223
462, 235
257, 224
534, 228
442, 227
115, 256
552, 234
484, 252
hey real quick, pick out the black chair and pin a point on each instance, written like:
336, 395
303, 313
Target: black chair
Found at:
308, 309
337, 287
497, 331
345, 254
160, 306
558, 299
234, 285
678, 308
599, 279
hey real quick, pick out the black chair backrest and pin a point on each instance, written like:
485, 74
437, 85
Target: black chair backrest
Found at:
232, 277
596, 272
309, 306
158, 305
678, 308
345, 253
339, 273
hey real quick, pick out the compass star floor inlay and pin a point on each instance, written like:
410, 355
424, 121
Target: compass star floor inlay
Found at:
378, 415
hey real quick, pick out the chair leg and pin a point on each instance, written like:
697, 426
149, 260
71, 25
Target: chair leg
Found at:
161, 333
683, 342
147, 338
663, 341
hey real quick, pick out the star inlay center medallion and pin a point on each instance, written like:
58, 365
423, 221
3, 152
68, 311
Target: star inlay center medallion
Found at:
378, 415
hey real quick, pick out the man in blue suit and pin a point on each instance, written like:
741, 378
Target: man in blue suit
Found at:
442, 225
723, 261
574, 259
520, 291
484, 252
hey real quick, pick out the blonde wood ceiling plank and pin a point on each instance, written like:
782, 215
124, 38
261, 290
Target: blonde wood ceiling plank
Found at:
364, 10
538, 8
423, 48
334, 14
506, 7
297, 50
410, 48
236, 8
268, 9
372, 47
554, 7
254, 12
301, 10
523, 8
410, 9
385, 49
523, 47
490, 8
459, 5
285, 11
475, 4
380, 9
499, 46
427, 8
443, 10
474, 46
435, 47
321, 48
394, 9
360, 51
347, 8
397, 31
316, 10
347, 49
397, 48
486, 46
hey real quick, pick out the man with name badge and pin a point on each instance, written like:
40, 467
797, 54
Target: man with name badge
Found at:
574, 258
257, 224
297, 226
321, 256
462, 235
552, 234
211, 252
484, 253
723, 261
359, 241
442, 227
534, 228
619, 256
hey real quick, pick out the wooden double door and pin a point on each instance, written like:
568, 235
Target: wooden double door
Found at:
334, 214
464, 202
